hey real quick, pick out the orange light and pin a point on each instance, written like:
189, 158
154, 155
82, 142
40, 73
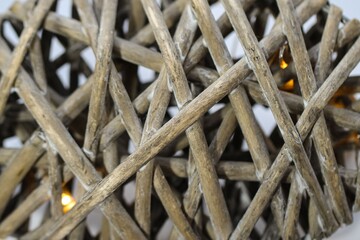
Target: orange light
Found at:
288, 86
345, 90
67, 201
339, 104
284, 56
351, 138
283, 64
343, 97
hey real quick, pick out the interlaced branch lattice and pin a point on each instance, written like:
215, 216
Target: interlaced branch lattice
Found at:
176, 133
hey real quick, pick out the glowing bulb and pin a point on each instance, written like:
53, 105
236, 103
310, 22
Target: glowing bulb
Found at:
337, 102
351, 138
339, 105
283, 64
284, 53
288, 86
67, 201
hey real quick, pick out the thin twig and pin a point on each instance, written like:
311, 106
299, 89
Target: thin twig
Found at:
31, 27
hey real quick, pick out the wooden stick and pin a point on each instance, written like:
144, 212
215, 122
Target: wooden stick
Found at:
124, 54
293, 208
79, 231
187, 27
111, 157
37, 63
157, 109
101, 74
314, 228
193, 194
321, 136
239, 100
197, 52
220, 127
210, 185
226, 169
156, 113
39, 196
68, 149
118, 91
199, 49
63, 29
134, 128
192, 111
172, 205
6, 155
32, 149
257, 61
132, 123
137, 18
329, 168
304, 124
55, 181
29, 205
342, 117
141, 102
349, 31
9, 179
327, 44
72, 29
111, 161
145, 36
9, 75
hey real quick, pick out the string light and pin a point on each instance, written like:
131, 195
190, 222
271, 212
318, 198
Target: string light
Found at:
283, 64
67, 201
288, 86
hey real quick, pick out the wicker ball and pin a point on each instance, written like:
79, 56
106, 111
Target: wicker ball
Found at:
178, 119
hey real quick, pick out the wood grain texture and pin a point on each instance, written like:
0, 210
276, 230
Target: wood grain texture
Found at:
178, 119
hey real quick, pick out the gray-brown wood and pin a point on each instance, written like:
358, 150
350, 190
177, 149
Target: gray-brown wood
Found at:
133, 126
169, 120
239, 101
31, 27
351, 29
296, 152
293, 102
304, 125
306, 78
68, 149
289, 230
32, 149
160, 100
194, 110
55, 179
178, 84
104, 44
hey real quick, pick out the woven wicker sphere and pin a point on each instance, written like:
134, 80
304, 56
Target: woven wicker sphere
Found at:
149, 113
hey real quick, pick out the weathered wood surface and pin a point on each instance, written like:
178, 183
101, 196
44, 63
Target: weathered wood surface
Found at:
187, 165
